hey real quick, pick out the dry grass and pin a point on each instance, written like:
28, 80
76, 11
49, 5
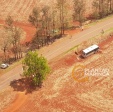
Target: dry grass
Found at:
21, 9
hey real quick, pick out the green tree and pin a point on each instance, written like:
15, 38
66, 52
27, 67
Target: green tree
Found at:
35, 67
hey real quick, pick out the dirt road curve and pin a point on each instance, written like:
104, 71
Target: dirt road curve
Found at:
20, 98
52, 51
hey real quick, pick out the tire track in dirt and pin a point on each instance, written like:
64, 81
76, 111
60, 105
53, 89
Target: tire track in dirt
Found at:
17, 103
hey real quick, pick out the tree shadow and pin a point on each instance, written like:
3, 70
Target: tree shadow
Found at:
24, 84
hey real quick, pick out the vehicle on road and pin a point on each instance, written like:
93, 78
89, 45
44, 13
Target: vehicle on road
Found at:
90, 50
4, 65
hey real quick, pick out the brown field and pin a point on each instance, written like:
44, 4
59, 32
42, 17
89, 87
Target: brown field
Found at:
61, 93
21, 9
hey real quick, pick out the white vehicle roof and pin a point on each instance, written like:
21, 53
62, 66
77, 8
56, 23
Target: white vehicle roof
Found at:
90, 48
3, 64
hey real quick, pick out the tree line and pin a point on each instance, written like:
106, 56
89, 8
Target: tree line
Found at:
11, 40
102, 8
52, 21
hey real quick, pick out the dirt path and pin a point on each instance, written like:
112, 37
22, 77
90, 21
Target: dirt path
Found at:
17, 103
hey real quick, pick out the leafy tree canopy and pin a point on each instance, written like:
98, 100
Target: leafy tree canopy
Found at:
35, 67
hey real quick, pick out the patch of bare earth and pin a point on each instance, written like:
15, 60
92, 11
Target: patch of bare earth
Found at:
18, 101
7, 96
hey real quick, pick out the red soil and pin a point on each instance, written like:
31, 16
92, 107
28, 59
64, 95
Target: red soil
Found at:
28, 28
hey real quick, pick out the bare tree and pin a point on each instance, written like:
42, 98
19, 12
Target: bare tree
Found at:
79, 10
61, 8
9, 21
5, 42
102, 8
34, 17
15, 34
110, 6
16, 37
95, 6
46, 21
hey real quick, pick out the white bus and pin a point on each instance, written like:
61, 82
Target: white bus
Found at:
90, 50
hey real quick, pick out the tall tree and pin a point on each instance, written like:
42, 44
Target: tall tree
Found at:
61, 7
110, 6
96, 9
35, 67
16, 37
46, 23
15, 33
79, 10
34, 17
101, 8
5, 43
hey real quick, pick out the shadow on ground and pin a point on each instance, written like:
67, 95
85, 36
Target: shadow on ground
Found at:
24, 85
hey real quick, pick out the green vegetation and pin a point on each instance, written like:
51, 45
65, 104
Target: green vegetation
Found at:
35, 67
72, 49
